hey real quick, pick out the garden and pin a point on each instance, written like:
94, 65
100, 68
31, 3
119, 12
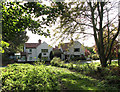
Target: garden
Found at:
60, 76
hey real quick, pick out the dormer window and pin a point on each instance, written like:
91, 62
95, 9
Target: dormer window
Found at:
76, 49
30, 50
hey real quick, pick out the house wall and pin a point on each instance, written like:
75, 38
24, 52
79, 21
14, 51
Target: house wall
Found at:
32, 54
44, 45
76, 44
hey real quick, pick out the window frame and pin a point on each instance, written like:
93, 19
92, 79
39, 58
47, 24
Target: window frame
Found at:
30, 50
30, 58
75, 50
44, 50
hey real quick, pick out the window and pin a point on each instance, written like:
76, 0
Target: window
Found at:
30, 50
76, 49
45, 58
44, 54
44, 50
30, 58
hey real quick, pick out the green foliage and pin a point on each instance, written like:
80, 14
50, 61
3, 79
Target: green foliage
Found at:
16, 18
18, 77
108, 77
90, 49
28, 77
95, 56
79, 58
57, 62
51, 55
3, 44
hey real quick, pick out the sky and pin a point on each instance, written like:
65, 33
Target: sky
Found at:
33, 38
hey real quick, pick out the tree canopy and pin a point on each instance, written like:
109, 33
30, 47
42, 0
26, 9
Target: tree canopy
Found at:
16, 18
75, 17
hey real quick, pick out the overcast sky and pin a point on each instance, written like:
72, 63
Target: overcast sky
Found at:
33, 38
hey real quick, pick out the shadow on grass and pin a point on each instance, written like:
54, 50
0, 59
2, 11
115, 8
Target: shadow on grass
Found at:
77, 82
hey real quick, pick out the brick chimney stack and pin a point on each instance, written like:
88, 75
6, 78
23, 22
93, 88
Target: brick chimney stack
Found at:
39, 41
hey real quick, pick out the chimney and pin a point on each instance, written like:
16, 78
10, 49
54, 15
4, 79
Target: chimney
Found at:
39, 41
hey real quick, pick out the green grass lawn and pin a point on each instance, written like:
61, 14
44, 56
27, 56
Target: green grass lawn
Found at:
40, 77
109, 77
74, 77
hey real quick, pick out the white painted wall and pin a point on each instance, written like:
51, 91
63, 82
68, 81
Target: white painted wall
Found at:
32, 54
44, 45
36, 51
76, 44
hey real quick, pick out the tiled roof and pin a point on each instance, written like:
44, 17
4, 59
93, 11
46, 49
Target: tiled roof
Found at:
31, 45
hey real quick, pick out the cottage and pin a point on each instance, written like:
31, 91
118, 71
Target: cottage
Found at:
42, 51
37, 50
71, 50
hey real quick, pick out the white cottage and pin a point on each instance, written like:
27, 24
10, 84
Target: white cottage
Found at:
34, 50
74, 49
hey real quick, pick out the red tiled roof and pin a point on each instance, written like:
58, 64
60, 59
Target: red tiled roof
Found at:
31, 45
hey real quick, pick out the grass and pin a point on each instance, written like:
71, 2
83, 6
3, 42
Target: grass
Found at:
109, 77
26, 77
75, 81
19, 77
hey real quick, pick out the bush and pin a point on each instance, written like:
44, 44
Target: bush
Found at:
82, 57
57, 62
95, 57
28, 77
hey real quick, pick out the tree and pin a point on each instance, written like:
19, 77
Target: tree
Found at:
107, 41
16, 18
40, 56
90, 49
119, 42
51, 55
75, 16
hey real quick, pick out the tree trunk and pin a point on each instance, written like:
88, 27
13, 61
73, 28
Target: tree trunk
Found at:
103, 61
110, 59
119, 42
118, 58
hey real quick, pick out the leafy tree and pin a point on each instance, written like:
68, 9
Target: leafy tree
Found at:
75, 16
16, 18
40, 56
90, 49
98, 32
119, 43
107, 40
51, 55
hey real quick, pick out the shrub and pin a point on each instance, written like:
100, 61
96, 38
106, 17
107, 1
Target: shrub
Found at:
82, 57
18, 77
95, 56
57, 62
